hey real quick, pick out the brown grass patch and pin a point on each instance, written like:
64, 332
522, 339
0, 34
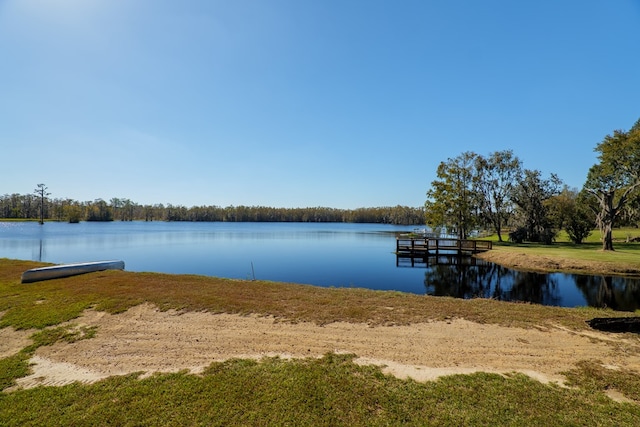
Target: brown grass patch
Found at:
117, 291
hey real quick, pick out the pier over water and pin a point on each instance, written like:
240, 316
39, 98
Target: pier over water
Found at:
425, 246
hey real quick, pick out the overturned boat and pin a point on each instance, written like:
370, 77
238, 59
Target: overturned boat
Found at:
616, 324
66, 270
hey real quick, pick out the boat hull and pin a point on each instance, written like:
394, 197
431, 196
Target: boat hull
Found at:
66, 270
616, 324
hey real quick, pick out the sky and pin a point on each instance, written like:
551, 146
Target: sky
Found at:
302, 103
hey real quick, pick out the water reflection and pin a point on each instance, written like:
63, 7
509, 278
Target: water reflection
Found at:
465, 277
618, 293
321, 254
38, 256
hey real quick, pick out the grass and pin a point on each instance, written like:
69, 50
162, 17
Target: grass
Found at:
563, 255
593, 377
17, 366
52, 302
328, 391
332, 391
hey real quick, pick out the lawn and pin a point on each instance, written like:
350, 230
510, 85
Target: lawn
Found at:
563, 255
332, 390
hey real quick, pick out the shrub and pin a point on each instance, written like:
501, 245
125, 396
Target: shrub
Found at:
518, 235
579, 227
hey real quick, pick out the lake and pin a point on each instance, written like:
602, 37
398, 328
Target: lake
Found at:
322, 254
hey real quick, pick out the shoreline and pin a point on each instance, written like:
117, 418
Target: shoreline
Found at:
523, 260
124, 323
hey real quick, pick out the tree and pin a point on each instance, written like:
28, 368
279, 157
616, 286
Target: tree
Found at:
560, 207
615, 178
41, 192
451, 201
99, 211
116, 206
630, 215
531, 197
73, 211
494, 184
26, 206
576, 214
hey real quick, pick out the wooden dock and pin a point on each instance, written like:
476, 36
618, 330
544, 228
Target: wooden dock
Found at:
423, 246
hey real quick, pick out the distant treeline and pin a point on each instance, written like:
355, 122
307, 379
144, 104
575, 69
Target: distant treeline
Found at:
16, 206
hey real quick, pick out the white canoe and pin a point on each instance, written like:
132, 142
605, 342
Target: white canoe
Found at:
66, 270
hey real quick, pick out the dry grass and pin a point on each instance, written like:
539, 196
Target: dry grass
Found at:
51, 302
328, 391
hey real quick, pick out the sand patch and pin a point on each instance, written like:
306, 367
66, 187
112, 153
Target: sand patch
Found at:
146, 339
12, 341
49, 373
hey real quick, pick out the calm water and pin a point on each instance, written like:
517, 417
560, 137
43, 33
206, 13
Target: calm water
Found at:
341, 255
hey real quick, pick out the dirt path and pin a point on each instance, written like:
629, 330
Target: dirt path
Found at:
146, 339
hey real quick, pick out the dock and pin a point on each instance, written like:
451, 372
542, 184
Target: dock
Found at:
425, 246
426, 261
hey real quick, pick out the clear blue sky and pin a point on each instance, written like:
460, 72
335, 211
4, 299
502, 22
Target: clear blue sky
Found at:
296, 103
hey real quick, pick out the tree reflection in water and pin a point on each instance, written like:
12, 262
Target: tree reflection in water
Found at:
464, 277
617, 293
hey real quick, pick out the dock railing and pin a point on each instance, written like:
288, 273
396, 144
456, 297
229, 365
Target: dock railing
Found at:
426, 246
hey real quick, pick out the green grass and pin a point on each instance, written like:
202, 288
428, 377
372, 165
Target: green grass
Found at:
328, 391
593, 377
623, 253
587, 257
12, 368
332, 391
619, 236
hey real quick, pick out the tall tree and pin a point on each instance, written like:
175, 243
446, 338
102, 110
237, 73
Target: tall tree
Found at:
41, 192
451, 200
116, 206
615, 178
494, 184
531, 196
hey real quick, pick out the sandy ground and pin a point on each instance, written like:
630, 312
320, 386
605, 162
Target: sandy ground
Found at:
12, 341
146, 339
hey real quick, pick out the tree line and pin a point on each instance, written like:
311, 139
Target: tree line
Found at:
495, 192
40, 206
472, 192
